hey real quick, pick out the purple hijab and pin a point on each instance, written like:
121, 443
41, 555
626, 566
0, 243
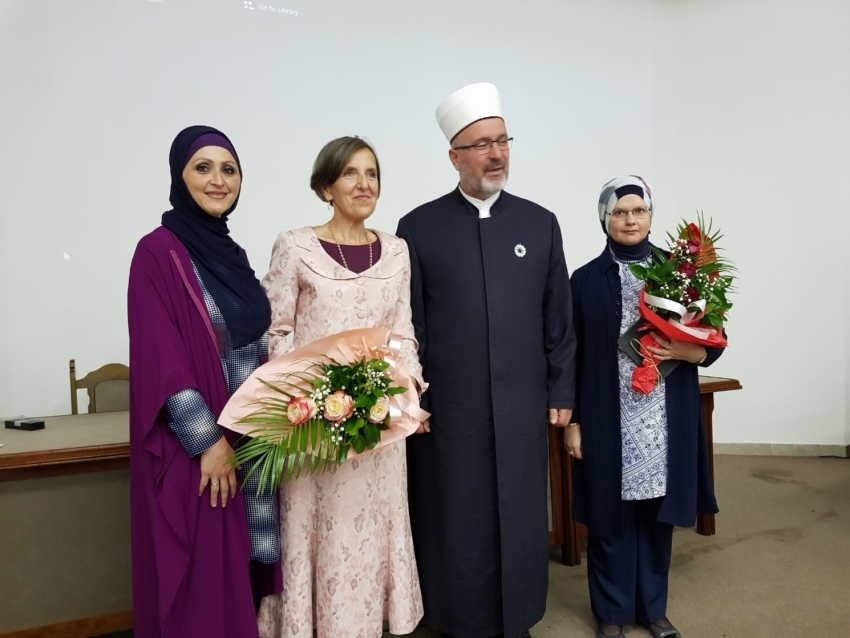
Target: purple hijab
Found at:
190, 561
221, 262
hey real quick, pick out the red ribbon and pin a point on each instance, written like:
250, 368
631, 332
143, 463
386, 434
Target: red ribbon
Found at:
669, 328
647, 375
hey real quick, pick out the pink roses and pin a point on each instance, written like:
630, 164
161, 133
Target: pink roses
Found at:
300, 410
378, 413
338, 406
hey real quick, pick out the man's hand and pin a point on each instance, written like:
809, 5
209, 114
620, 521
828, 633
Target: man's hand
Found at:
560, 418
424, 426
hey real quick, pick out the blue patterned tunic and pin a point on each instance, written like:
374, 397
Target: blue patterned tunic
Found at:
196, 427
643, 418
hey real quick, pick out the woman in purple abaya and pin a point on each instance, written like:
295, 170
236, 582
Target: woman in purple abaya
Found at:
198, 322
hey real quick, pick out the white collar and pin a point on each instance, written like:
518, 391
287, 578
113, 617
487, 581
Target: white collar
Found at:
483, 205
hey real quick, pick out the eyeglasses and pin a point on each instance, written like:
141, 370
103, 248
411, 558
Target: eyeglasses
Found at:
483, 147
621, 215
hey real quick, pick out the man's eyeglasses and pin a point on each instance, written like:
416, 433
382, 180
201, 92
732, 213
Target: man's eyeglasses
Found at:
639, 213
483, 147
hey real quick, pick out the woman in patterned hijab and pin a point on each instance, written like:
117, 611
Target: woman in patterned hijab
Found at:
640, 461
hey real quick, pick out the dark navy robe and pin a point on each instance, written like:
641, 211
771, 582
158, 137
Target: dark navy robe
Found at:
492, 313
597, 487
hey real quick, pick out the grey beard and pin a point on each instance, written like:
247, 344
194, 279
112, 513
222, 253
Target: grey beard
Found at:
490, 188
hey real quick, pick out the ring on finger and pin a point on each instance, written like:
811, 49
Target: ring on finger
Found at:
214, 484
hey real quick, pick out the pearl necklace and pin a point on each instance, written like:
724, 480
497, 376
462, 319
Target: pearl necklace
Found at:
342, 255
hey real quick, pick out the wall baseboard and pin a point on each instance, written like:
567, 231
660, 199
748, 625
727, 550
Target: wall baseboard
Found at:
782, 449
94, 626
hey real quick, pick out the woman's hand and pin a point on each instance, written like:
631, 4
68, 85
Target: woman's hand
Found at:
572, 440
216, 471
424, 426
560, 418
673, 349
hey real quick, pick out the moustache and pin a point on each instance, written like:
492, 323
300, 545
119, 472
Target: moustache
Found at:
494, 164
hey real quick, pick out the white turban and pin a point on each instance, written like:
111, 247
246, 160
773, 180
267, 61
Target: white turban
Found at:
617, 188
467, 105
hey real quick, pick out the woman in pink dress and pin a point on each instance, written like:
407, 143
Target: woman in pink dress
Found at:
346, 545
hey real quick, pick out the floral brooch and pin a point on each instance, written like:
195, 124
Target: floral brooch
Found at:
519, 250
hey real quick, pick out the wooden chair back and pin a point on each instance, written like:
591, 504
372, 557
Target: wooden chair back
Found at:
108, 388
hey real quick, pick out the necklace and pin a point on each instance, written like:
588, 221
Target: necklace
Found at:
628, 261
342, 255
623, 260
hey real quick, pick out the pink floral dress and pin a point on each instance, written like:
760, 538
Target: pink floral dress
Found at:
346, 545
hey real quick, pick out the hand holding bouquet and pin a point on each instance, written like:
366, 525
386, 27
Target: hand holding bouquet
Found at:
320, 404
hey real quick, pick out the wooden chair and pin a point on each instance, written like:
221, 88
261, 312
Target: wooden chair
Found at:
108, 388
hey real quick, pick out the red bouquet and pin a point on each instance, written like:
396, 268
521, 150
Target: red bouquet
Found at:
684, 295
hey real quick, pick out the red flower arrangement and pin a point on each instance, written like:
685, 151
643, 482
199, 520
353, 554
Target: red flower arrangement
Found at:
684, 296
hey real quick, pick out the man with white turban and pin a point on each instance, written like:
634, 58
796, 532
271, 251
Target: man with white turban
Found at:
493, 317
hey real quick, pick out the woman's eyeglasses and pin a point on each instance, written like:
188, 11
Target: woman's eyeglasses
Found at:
639, 213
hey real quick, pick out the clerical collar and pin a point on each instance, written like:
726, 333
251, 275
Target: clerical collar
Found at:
484, 205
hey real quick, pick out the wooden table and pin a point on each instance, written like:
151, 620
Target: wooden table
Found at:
565, 531
707, 387
65, 528
71, 444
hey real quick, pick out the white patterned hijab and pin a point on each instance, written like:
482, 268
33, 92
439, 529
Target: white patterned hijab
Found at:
617, 188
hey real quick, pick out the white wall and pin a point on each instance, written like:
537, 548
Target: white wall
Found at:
93, 92
751, 125
737, 108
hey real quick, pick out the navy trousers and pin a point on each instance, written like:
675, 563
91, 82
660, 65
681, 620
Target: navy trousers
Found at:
627, 573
